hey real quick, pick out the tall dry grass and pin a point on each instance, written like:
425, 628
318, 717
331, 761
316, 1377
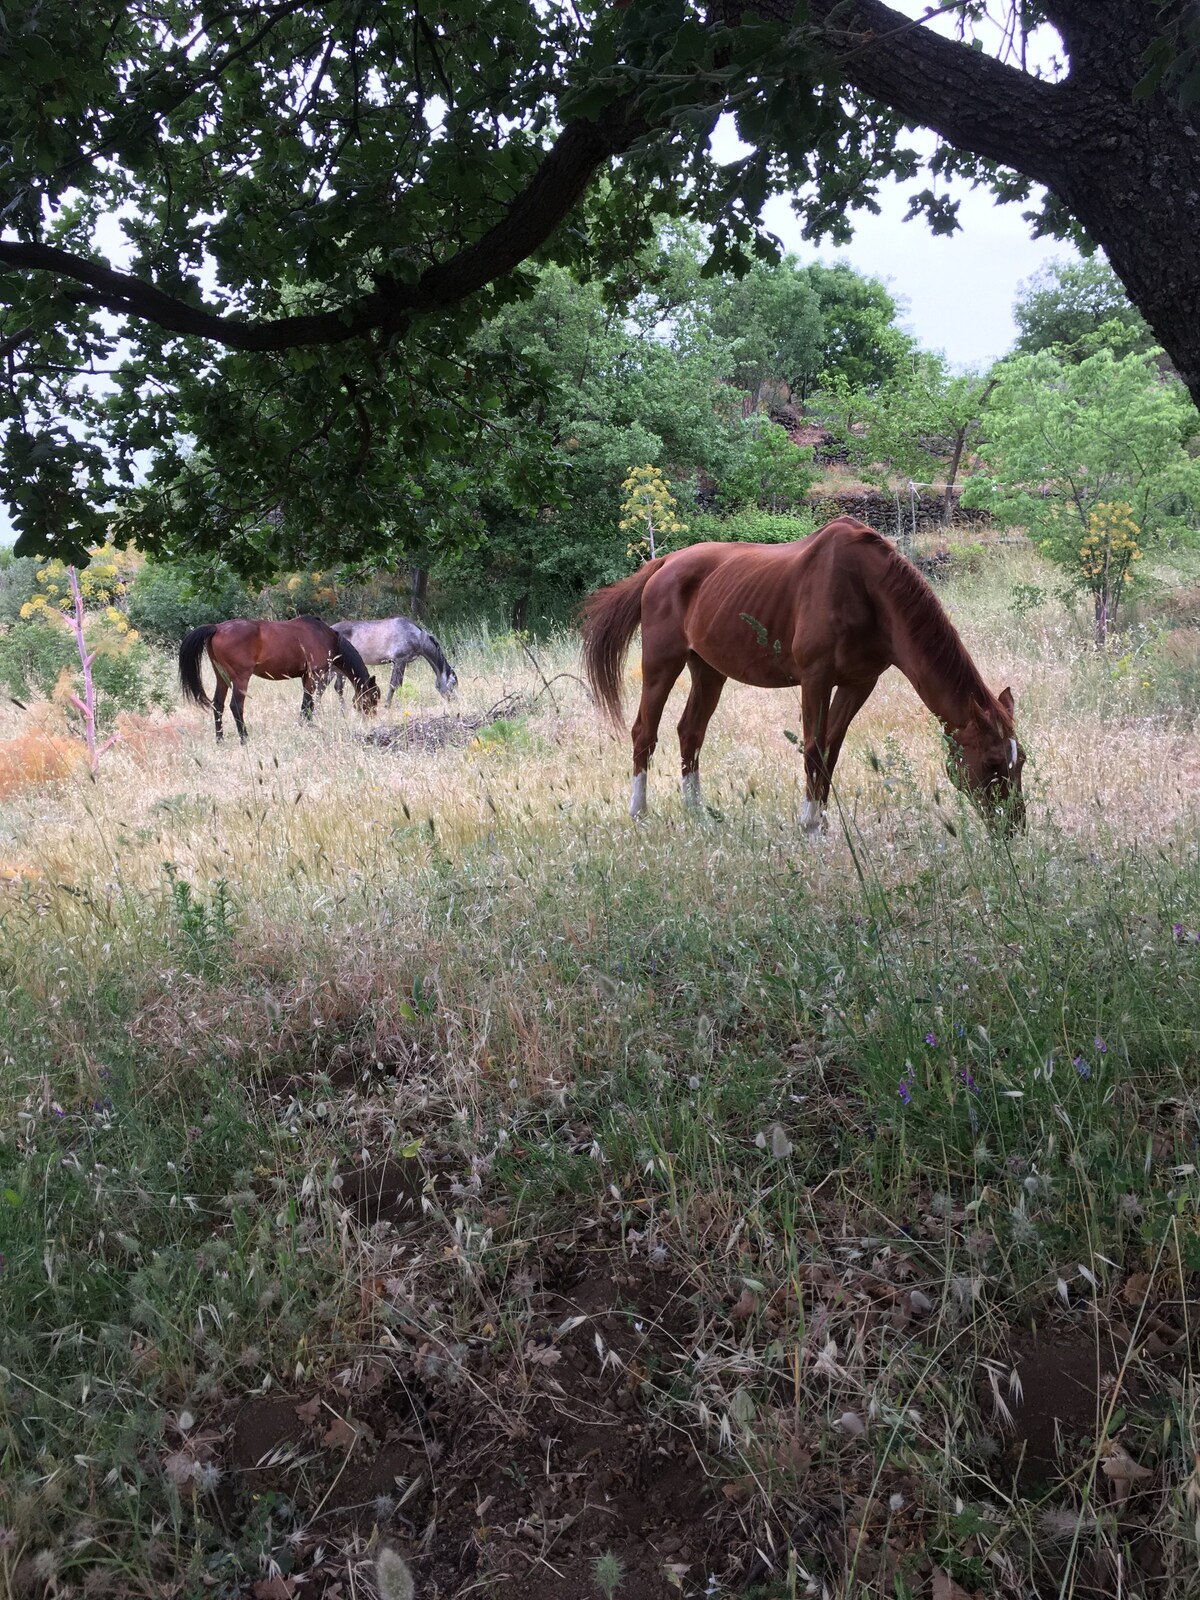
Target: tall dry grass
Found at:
906, 1055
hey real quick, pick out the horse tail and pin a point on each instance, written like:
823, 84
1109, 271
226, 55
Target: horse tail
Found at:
190, 653
610, 620
348, 658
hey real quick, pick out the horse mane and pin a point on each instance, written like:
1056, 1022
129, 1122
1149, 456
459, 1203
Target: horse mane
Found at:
348, 657
440, 664
930, 628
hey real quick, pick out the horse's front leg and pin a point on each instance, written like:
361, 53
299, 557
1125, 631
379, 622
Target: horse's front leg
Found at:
398, 666
306, 704
814, 707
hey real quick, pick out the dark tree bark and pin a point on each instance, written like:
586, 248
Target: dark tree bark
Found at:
1127, 169
417, 591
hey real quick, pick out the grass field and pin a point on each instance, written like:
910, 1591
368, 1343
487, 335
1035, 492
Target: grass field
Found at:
399, 1150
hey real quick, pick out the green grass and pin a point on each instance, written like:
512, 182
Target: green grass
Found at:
799, 1081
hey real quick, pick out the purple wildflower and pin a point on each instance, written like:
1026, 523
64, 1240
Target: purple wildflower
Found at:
1082, 1067
905, 1094
57, 1109
1101, 1047
1177, 929
960, 1031
968, 1080
931, 1040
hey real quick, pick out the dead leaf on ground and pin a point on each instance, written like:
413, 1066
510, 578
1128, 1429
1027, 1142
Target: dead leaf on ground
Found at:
276, 1588
542, 1355
310, 1410
747, 1305
945, 1588
342, 1435
1122, 1471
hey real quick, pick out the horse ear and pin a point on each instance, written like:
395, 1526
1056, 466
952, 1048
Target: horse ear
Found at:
1005, 697
977, 713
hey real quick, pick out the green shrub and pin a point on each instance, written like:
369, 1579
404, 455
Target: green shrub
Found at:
167, 598
750, 527
18, 581
128, 674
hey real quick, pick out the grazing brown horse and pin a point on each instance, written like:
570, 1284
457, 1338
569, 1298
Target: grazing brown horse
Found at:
830, 613
239, 650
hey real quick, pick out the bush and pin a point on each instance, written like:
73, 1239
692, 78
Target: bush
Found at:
167, 598
18, 581
128, 675
750, 527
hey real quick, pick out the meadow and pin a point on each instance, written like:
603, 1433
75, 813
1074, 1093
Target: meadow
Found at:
401, 1150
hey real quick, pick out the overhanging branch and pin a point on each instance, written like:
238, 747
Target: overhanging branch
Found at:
552, 193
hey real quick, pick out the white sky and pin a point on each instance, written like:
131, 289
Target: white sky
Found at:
956, 291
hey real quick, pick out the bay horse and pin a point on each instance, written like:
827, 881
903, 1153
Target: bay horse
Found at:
398, 640
239, 650
830, 613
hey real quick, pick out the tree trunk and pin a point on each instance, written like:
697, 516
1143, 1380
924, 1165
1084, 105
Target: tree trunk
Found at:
1102, 617
417, 590
960, 439
1128, 169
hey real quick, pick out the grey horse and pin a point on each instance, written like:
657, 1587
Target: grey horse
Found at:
398, 640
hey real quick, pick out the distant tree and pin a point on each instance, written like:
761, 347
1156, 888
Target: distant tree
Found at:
921, 424
1089, 458
769, 473
770, 326
1071, 306
860, 342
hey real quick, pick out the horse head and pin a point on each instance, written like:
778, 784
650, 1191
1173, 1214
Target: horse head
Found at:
986, 759
447, 683
366, 696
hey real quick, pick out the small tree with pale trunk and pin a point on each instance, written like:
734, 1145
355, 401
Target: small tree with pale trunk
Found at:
649, 510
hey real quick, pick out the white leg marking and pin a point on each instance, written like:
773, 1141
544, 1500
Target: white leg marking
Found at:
812, 816
690, 787
637, 800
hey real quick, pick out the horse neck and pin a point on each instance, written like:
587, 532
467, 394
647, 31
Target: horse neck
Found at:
928, 651
433, 653
349, 667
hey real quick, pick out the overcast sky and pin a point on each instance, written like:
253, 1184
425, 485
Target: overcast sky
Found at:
956, 291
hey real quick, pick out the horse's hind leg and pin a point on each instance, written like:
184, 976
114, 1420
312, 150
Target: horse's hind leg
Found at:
218, 705
237, 699
398, 666
658, 679
306, 703
707, 684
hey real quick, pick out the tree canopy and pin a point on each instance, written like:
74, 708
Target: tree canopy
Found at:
274, 226
1074, 307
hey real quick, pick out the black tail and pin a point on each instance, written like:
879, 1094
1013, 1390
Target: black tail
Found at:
190, 652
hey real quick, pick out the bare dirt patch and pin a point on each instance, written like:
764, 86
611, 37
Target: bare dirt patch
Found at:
502, 1465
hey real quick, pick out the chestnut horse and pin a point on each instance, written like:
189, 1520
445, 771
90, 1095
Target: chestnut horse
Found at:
831, 613
240, 650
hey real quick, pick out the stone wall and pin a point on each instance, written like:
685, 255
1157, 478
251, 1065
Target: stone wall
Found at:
895, 516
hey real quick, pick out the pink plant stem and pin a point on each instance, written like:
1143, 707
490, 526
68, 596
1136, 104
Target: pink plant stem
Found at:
86, 706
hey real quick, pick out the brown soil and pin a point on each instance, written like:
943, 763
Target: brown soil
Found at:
502, 1470
1069, 1386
